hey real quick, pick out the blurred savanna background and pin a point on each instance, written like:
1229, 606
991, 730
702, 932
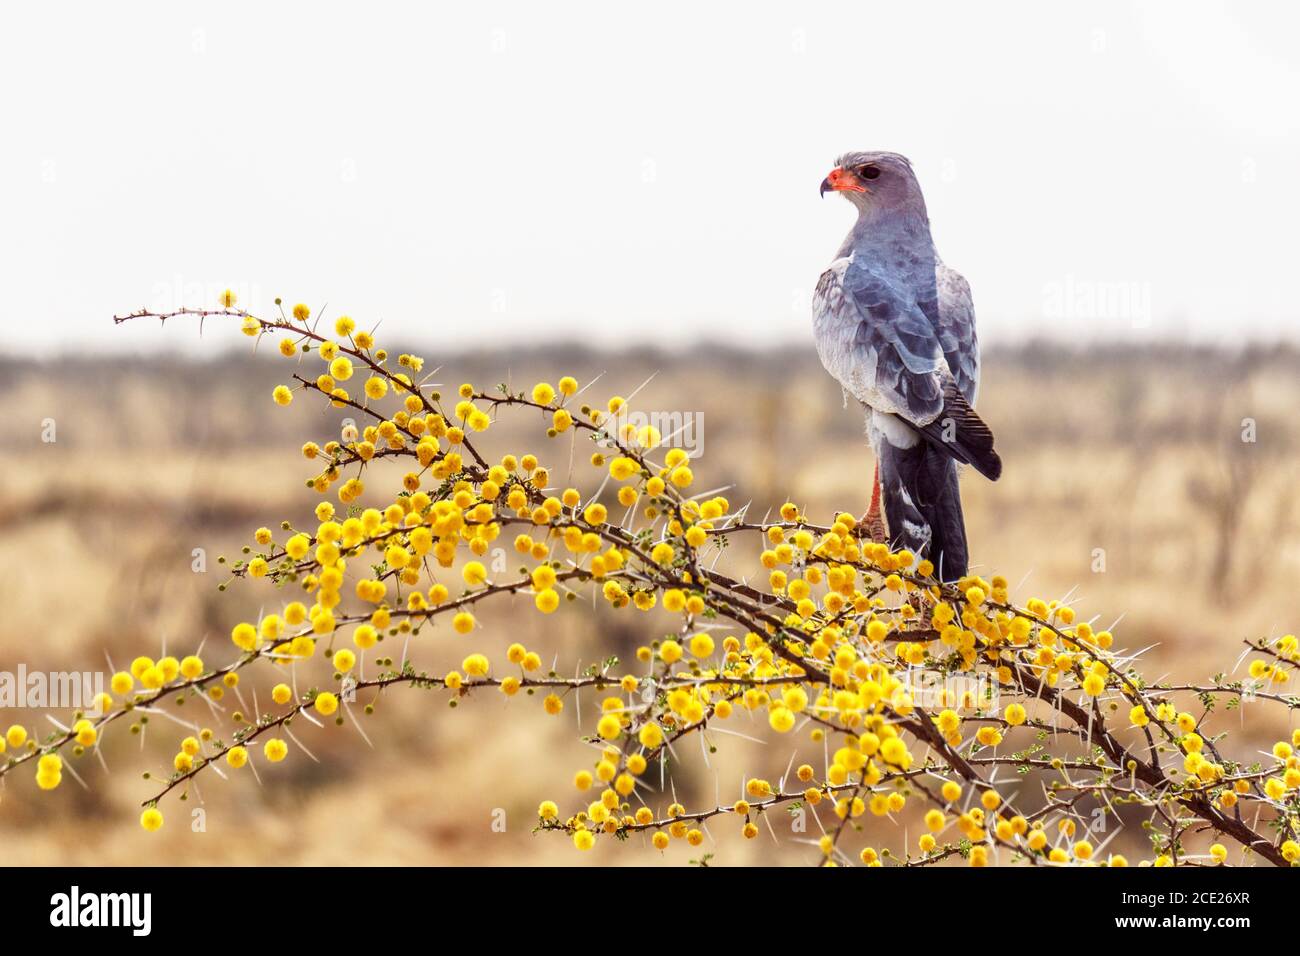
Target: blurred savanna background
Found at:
517, 197
1127, 487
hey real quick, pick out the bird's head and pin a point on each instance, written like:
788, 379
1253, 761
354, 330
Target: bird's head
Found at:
875, 181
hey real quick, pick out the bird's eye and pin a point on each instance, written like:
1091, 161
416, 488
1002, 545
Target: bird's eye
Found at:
868, 171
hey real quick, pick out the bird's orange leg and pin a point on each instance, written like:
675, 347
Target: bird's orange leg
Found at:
874, 520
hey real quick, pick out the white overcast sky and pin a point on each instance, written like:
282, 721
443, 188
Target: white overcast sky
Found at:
513, 171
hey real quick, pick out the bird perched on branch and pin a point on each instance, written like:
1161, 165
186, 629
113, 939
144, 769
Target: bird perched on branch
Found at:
896, 327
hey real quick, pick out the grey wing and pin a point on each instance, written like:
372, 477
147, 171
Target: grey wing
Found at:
956, 330
877, 341
884, 349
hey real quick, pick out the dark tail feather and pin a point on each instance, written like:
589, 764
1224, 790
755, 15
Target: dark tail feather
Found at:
963, 434
948, 548
923, 506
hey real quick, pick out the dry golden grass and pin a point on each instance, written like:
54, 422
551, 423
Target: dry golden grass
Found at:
1137, 453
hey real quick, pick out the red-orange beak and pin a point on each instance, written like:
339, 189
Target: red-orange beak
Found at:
842, 181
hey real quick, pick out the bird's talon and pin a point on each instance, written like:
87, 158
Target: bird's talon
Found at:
874, 524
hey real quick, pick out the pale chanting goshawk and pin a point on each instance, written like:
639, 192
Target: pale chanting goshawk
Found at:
896, 327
